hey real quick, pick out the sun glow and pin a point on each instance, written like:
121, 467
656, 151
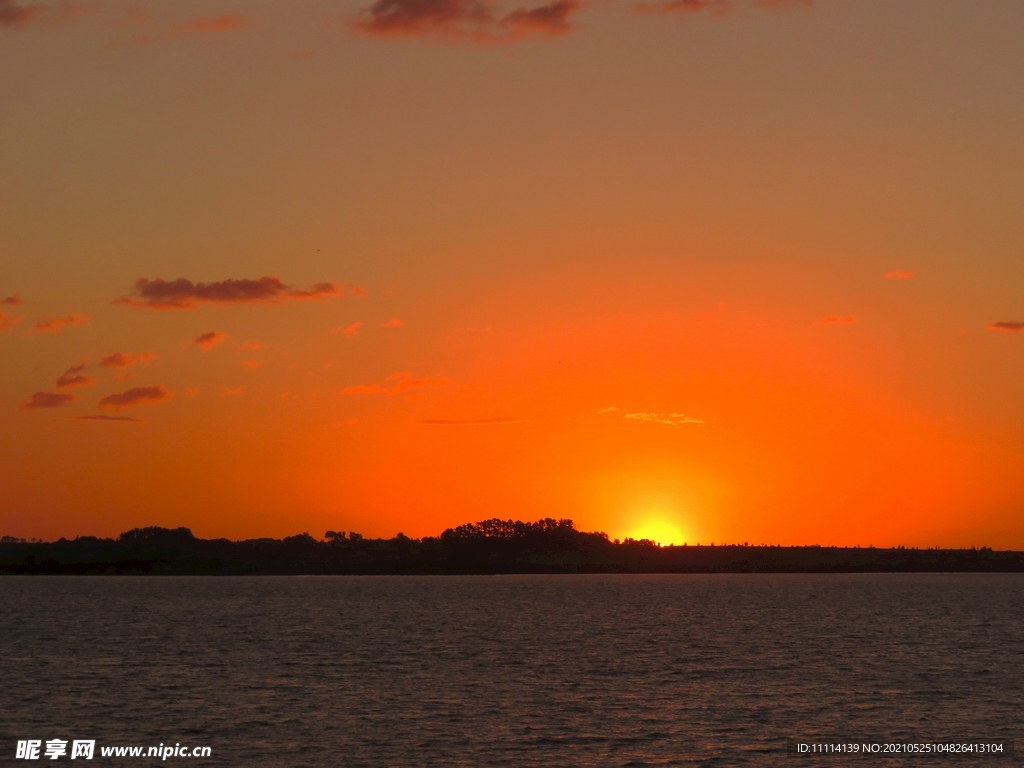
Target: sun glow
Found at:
659, 530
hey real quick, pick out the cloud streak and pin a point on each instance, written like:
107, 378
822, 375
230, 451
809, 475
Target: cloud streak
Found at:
135, 396
471, 422
899, 274
103, 417
669, 419
210, 339
476, 21
1007, 326
127, 360
51, 324
184, 294
73, 377
48, 400
395, 384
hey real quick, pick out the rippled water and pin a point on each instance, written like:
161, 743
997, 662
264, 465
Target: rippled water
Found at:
510, 670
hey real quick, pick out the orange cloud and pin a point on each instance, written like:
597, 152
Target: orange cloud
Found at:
394, 322
1011, 326
73, 377
838, 320
231, 392
102, 417
668, 419
50, 324
184, 294
135, 396
191, 391
716, 8
223, 23
349, 330
126, 360
457, 422
470, 20
48, 400
250, 364
399, 382
899, 274
12, 301
8, 322
12, 14
210, 339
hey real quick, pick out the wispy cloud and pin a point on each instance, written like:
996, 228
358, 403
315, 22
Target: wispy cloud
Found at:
9, 322
1011, 326
184, 294
471, 422
210, 339
127, 359
395, 384
103, 417
669, 419
14, 14
136, 396
51, 324
394, 322
223, 23
838, 320
73, 377
477, 21
784, 5
716, 8
349, 330
48, 400
899, 274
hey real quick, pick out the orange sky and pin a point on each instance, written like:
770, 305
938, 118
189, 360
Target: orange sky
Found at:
702, 271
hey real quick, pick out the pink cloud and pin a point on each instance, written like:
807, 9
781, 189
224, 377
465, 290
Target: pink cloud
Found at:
51, 324
838, 320
73, 377
717, 8
1008, 326
899, 274
48, 400
471, 20
184, 294
210, 339
394, 322
396, 384
136, 396
127, 360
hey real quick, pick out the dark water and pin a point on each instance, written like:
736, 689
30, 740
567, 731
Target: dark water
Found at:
511, 671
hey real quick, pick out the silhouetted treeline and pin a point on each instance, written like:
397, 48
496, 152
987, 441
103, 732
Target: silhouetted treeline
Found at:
490, 546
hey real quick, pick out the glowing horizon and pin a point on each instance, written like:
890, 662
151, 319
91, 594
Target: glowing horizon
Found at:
750, 274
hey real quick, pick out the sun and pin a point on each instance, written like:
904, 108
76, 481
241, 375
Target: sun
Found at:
659, 530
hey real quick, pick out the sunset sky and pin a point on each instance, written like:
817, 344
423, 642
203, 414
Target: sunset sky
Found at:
697, 270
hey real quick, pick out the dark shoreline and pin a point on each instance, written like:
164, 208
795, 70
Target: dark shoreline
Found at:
490, 547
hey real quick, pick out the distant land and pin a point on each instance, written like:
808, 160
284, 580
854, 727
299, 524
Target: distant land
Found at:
488, 547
